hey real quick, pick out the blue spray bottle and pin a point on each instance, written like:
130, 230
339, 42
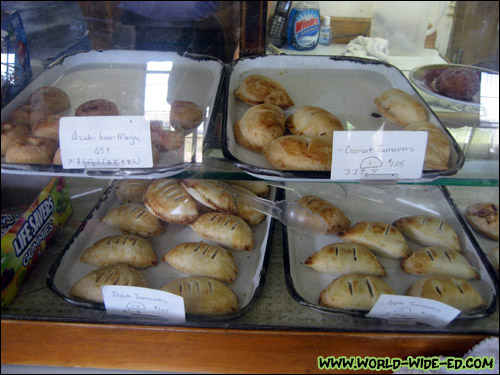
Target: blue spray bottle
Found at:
303, 26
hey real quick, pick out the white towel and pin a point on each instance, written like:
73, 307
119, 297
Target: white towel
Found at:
368, 47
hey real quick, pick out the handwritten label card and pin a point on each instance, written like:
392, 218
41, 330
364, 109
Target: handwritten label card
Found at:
136, 301
423, 310
361, 155
105, 142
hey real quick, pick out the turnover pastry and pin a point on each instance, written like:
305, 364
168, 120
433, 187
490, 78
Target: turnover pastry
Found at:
345, 258
48, 127
400, 107
131, 191
354, 292
429, 231
493, 255
437, 153
31, 150
185, 115
12, 132
211, 194
335, 219
204, 296
452, 291
314, 121
203, 259
89, 287
261, 188
483, 217
247, 213
227, 230
134, 218
258, 89
259, 125
438, 261
129, 249
383, 239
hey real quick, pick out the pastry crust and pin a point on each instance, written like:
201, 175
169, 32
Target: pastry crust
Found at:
438, 261
493, 255
259, 125
51, 98
383, 239
28, 115
298, 152
134, 218
345, 258
260, 188
437, 153
131, 191
48, 128
452, 291
429, 231
31, 150
483, 217
97, 107
129, 249
313, 121
354, 292
203, 296
202, 259
400, 107
12, 132
185, 115
335, 218
247, 213
211, 194
258, 89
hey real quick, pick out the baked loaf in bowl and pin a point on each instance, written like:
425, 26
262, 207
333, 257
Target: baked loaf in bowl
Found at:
258, 89
313, 121
400, 107
461, 83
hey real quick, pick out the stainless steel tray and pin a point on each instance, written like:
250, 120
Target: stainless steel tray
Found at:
345, 86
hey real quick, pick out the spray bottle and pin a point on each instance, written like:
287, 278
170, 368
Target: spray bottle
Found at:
303, 26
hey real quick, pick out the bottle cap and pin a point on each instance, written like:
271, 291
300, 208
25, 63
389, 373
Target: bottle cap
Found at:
325, 20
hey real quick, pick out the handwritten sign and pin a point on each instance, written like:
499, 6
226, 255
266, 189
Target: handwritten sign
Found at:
422, 310
105, 142
136, 301
359, 155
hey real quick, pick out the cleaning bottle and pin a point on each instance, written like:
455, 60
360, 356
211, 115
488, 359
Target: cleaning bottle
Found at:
325, 33
303, 26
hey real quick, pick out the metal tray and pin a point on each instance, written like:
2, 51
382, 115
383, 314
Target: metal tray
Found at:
139, 83
345, 86
382, 204
251, 265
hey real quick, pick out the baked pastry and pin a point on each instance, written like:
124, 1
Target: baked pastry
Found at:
261, 188
483, 217
345, 258
335, 219
258, 89
493, 255
458, 83
97, 107
259, 125
185, 115
31, 150
428, 231
247, 213
89, 287
134, 218
227, 230
211, 194
437, 153
452, 291
313, 121
131, 191
203, 296
354, 292
400, 107
438, 261
28, 115
57, 157
203, 259
48, 127
11, 132
51, 98
129, 249
163, 138
298, 152
169, 201
383, 239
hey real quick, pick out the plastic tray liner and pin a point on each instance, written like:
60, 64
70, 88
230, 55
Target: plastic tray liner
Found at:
379, 204
251, 265
140, 83
344, 86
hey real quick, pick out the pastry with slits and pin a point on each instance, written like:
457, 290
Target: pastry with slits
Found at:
129, 249
211, 194
202, 259
354, 292
381, 238
429, 231
483, 217
335, 218
169, 201
344, 258
452, 291
88, 288
203, 295
134, 218
227, 230
438, 261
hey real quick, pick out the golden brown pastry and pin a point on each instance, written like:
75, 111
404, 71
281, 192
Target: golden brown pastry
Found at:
31, 150
211, 194
203, 295
354, 292
97, 107
428, 231
163, 138
400, 107
452, 291
483, 217
89, 287
438, 261
51, 98
131, 191
48, 128
493, 255
335, 219
247, 213
129, 249
258, 89
57, 157
313, 121
134, 218
259, 125
437, 153
12, 132
345, 258
203, 259
185, 115
28, 115
383, 239
298, 152
227, 230
261, 188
